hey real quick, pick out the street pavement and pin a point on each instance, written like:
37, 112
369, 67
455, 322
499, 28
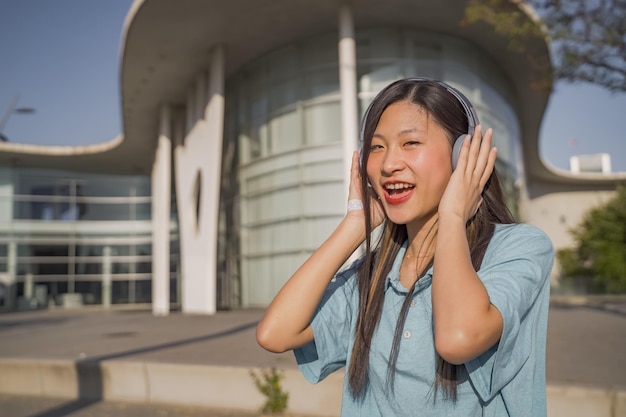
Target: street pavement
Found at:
585, 348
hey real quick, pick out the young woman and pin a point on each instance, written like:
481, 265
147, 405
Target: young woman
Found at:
445, 314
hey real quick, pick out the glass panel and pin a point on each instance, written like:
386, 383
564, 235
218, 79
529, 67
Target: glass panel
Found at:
53, 182
323, 83
91, 291
42, 250
122, 268
146, 249
104, 211
284, 95
322, 123
82, 210
89, 268
48, 210
143, 211
173, 290
44, 268
89, 250
285, 132
120, 292
143, 291
131, 267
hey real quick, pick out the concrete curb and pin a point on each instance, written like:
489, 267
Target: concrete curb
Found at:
230, 387
149, 382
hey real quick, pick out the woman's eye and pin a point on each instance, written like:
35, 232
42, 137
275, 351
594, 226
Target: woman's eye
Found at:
375, 147
412, 143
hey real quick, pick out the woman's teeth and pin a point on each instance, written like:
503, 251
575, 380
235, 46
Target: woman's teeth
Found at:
398, 186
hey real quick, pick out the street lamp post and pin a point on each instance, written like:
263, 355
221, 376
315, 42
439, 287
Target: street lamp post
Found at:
7, 114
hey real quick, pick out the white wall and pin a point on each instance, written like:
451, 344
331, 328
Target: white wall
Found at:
556, 209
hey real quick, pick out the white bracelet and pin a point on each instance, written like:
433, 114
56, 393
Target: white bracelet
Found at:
355, 205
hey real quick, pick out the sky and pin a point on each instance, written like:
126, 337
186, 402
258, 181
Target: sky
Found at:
62, 59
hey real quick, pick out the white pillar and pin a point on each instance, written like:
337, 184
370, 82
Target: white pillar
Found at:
348, 89
190, 111
200, 96
214, 115
161, 200
349, 97
28, 286
12, 272
198, 172
107, 268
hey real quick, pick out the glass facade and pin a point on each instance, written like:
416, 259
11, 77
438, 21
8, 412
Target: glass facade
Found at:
73, 233
282, 186
283, 130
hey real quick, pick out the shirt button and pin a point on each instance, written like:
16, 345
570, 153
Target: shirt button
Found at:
407, 334
413, 303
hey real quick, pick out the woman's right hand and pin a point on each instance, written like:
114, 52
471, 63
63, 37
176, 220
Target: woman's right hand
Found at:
355, 193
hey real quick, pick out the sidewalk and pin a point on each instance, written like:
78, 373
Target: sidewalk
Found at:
205, 360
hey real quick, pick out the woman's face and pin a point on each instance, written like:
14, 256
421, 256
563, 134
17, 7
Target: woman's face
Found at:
409, 164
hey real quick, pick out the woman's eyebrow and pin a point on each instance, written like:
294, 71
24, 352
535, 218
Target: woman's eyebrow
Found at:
402, 132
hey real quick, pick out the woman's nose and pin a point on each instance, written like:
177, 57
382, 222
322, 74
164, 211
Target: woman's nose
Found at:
392, 162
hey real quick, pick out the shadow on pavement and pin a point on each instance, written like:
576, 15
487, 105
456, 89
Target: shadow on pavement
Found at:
89, 371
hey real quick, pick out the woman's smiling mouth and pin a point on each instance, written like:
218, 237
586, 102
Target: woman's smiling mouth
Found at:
396, 193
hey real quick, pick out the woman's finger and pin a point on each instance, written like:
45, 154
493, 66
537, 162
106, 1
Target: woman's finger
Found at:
491, 162
483, 154
474, 151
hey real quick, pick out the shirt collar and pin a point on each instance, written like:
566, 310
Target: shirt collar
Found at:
393, 278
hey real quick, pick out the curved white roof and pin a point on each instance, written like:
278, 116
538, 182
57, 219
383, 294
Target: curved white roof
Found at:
167, 43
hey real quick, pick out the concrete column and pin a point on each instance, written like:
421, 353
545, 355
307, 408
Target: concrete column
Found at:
198, 172
349, 97
179, 151
348, 89
12, 272
190, 111
161, 201
106, 277
214, 115
28, 286
200, 96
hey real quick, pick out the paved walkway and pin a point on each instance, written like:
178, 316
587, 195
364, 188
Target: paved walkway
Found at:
586, 343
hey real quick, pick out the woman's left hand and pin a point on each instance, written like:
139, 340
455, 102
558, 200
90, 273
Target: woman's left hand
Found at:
462, 196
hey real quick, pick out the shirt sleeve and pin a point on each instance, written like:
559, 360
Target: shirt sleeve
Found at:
515, 272
332, 328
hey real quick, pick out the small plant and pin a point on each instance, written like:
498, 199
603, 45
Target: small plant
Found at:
268, 382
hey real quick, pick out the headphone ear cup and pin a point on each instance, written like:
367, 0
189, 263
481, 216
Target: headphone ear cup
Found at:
456, 150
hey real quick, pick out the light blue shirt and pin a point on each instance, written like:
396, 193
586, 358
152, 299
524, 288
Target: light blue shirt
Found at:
507, 380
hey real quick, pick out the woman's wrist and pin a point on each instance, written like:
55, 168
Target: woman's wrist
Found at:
355, 205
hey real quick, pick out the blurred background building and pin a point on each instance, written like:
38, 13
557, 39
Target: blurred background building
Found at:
239, 122
600, 162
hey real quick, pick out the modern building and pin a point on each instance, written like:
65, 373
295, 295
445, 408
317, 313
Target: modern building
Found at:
239, 120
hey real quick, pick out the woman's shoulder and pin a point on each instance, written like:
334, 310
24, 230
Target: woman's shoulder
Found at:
520, 232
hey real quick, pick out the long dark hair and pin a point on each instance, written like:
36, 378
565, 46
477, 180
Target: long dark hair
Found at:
447, 112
